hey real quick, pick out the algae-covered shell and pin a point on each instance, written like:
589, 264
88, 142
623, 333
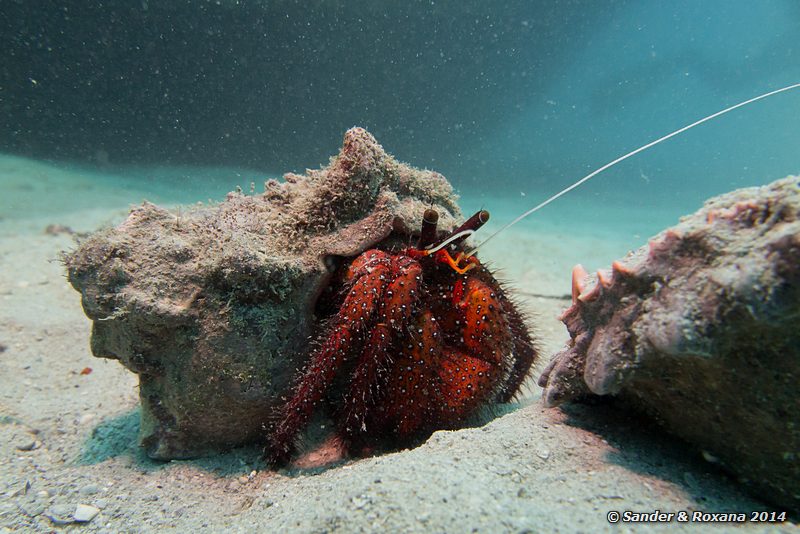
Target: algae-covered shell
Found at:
213, 307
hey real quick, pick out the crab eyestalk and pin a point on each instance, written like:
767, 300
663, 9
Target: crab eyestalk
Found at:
428, 234
461, 233
439, 249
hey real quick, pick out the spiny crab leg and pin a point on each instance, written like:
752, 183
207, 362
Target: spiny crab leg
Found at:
355, 314
394, 314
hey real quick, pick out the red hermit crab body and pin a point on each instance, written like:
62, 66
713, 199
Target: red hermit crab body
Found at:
424, 341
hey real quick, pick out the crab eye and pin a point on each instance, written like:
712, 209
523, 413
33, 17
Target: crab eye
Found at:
461, 233
428, 234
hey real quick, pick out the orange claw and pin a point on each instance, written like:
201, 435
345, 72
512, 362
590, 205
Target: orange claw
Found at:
445, 257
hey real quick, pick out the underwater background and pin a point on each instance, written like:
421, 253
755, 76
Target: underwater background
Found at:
181, 101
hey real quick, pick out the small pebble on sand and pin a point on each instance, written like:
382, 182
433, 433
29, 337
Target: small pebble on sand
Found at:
61, 514
89, 489
85, 513
86, 418
27, 444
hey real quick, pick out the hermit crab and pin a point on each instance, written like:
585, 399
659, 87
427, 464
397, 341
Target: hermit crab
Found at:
422, 338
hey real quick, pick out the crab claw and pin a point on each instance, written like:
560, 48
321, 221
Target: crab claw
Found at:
469, 261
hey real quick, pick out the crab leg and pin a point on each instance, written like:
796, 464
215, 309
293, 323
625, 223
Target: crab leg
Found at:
396, 309
434, 384
484, 325
466, 382
365, 390
525, 353
488, 314
354, 315
413, 396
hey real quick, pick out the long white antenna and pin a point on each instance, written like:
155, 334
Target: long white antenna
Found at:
628, 155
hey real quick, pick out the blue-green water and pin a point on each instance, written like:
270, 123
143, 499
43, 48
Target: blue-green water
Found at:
518, 98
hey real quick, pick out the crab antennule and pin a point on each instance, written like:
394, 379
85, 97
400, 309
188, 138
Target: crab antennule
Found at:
428, 234
461, 233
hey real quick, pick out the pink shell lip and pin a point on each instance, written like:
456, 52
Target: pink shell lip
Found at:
605, 279
663, 243
591, 294
604, 276
579, 290
621, 269
579, 275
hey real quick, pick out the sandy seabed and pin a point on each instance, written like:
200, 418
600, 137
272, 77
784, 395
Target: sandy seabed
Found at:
68, 436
